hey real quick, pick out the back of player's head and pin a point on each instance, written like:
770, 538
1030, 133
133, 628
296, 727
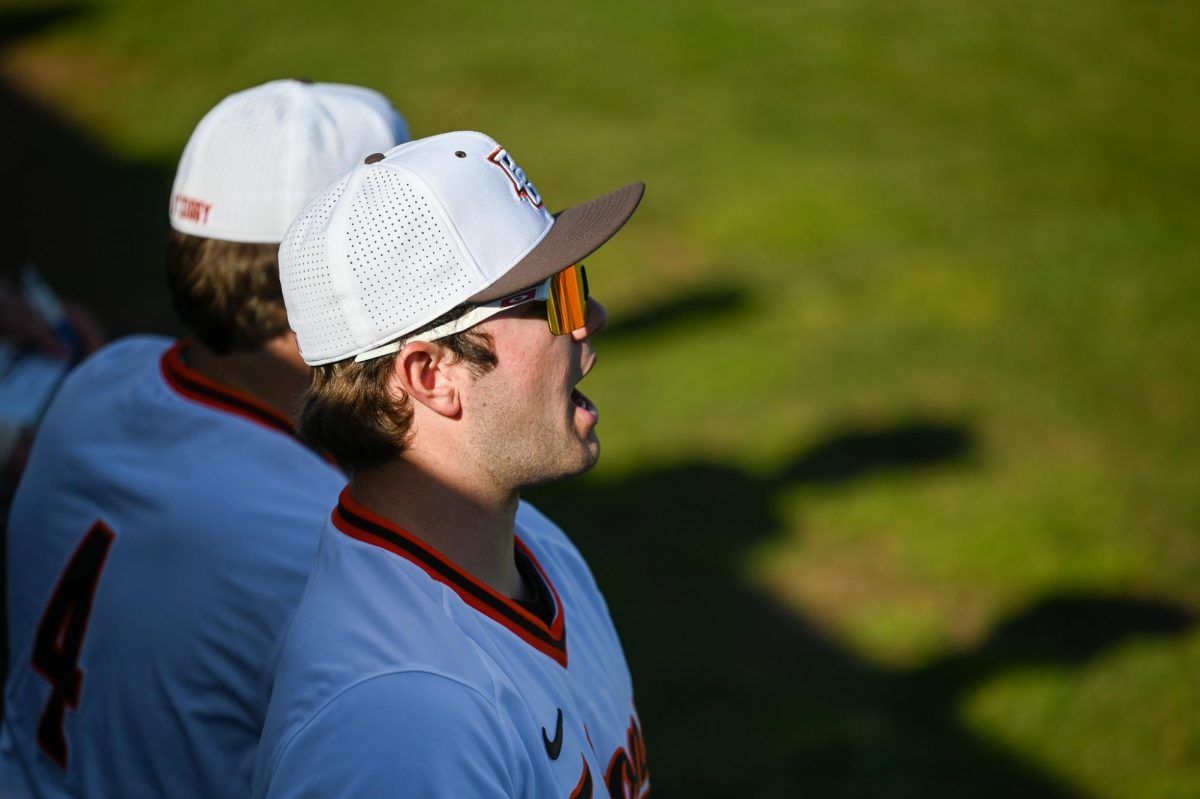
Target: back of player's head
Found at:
350, 412
249, 167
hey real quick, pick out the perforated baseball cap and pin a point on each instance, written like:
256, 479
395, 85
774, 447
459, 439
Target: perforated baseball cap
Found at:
413, 233
259, 155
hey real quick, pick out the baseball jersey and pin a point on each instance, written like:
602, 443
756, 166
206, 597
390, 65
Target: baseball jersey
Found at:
158, 541
402, 676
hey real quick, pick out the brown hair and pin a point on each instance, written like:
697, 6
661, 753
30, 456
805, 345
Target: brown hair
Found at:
349, 413
226, 292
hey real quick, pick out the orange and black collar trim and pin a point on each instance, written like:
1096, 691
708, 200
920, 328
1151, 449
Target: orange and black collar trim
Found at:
196, 386
550, 639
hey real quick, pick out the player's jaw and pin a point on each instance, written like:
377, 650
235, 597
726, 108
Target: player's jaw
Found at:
574, 438
531, 422
585, 413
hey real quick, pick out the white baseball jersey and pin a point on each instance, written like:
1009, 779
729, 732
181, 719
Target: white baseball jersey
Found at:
402, 676
159, 540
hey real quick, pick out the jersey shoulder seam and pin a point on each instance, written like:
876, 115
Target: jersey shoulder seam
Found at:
275, 758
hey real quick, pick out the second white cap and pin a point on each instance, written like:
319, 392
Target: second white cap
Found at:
259, 155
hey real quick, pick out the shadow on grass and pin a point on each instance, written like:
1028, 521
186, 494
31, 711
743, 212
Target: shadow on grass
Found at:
1064, 630
17, 23
744, 697
93, 223
690, 308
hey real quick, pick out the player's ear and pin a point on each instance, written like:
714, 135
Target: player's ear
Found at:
426, 372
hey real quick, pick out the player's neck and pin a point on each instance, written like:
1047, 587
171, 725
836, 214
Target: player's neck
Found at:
472, 527
273, 374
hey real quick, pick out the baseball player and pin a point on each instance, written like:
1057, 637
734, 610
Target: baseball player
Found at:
451, 641
168, 516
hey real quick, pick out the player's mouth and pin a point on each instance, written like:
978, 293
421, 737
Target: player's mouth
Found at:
582, 402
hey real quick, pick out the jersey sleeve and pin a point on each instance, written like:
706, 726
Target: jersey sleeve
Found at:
407, 734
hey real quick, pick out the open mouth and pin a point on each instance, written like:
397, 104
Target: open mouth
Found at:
581, 401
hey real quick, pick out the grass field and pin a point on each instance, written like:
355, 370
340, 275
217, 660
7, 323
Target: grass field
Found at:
901, 485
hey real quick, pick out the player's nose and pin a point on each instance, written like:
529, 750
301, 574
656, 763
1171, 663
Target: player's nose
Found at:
597, 320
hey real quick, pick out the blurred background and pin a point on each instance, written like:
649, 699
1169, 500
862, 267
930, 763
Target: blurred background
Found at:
900, 493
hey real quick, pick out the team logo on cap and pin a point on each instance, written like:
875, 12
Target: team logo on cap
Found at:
192, 209
521, 184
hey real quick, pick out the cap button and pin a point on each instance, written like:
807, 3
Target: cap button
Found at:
373, 158
305, 81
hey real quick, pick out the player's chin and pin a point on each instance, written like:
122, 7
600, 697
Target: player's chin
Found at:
593, 450
588, 453
581, 459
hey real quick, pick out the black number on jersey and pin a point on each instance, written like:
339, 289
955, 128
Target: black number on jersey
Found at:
60, 636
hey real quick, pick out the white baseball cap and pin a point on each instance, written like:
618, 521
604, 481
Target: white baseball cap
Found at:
258, 156
411, 234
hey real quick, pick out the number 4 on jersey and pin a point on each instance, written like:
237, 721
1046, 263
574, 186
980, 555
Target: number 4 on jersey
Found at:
60, 636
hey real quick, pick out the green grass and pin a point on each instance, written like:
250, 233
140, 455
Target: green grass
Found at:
902, 381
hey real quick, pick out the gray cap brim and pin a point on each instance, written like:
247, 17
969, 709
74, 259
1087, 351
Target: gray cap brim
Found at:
577, 233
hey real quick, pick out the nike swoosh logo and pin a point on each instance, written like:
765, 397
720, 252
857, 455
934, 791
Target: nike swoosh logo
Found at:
554, 748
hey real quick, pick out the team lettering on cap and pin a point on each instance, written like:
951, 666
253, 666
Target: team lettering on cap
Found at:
521, 184
192, 210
